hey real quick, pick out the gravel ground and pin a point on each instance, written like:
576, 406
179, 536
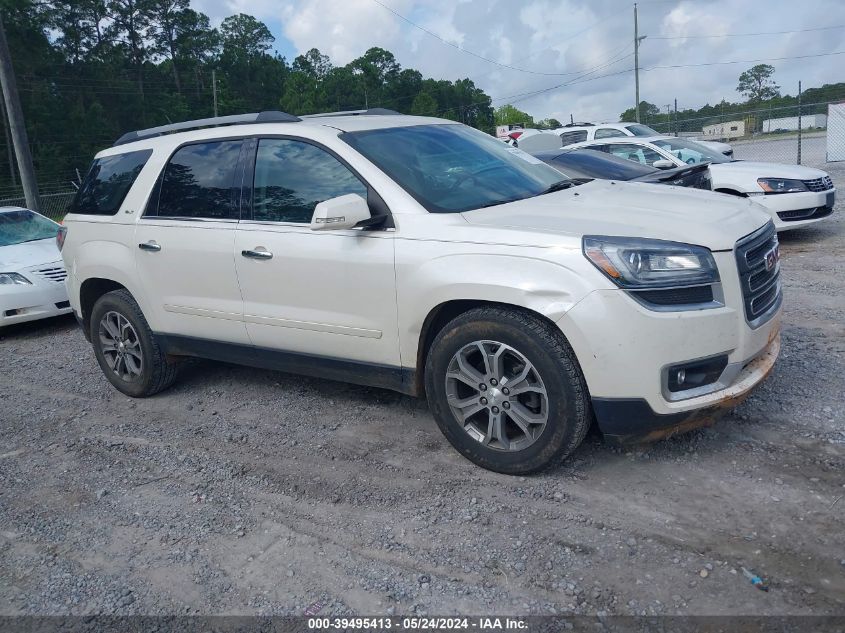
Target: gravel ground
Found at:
250, 492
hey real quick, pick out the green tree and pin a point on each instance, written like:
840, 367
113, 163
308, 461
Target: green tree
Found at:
508, 114
424, 105
648, 111
756, 83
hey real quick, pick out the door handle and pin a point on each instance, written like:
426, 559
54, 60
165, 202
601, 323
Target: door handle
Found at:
150, 246
257, 254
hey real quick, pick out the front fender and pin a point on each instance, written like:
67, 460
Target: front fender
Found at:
543, 286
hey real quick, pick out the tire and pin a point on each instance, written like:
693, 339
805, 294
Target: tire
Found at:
552, 391
138, 347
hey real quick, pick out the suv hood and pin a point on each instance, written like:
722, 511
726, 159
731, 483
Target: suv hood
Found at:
756, 170
19, 256
603, 207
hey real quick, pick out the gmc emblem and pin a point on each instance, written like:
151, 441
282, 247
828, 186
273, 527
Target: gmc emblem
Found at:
772, 257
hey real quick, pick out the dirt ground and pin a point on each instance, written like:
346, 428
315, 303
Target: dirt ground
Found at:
250, 492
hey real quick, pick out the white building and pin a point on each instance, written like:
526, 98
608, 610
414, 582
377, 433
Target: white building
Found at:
836, 132
790, 123
727, 130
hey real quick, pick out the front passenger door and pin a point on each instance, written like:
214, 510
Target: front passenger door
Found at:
326, 293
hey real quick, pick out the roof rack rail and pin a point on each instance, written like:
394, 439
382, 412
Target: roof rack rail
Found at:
579, 124
368, 112
268, 116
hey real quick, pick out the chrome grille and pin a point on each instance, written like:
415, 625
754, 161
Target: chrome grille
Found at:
819, 184
757, 259
57, 274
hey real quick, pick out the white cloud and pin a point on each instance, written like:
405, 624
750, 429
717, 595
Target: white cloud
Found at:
562, 36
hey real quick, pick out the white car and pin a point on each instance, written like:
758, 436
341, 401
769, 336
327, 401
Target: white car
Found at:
32, 274
421, 255
578, 133
793, 195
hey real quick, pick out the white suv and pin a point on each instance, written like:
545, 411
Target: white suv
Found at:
421, 255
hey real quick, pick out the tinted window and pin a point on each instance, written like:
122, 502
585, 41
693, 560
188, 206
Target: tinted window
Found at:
292, 177
607, 132
21, 225
199, 182
568, 138
642, 130
588, 163
636, 153
107, 182
453, 168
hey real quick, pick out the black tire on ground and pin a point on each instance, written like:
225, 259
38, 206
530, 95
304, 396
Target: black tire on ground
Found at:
569, 412
157, 372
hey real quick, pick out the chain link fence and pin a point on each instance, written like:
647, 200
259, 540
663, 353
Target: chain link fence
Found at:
789, 134
55, 199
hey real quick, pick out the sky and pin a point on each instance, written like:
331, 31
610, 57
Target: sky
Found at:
576, 55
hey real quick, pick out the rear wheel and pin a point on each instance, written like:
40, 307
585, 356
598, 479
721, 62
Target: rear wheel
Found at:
126, 348
506, 390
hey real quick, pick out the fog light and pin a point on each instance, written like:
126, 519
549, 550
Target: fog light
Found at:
697, 373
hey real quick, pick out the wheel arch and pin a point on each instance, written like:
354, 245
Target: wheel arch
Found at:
89, 292
440, 315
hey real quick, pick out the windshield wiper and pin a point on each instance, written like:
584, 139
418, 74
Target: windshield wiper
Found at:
560, 185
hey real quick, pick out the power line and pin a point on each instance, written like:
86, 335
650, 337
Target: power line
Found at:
746, 61
690, 37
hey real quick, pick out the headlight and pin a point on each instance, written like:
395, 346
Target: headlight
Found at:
781, 185
636, 264
13, 279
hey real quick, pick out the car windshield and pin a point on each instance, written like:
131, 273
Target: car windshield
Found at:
690, 152
593, 164
450, 168
17, 227
641, 130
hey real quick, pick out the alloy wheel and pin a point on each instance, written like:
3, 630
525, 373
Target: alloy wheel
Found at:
497, 395
121, 346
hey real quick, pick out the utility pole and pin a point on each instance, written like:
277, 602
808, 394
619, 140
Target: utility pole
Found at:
637, 40
214, 89
668, 118
799, 121
676, 117
16, 124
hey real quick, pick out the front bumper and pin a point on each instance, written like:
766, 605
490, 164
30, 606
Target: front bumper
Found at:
28, 303
627, 421
793, 210
625, 350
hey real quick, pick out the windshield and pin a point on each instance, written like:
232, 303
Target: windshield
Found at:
642, 130
593, 164
690, 152
450, 168
17, 227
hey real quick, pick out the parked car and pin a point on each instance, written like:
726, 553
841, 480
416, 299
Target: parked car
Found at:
421, 255
535, 140
31, 271
578, 133
589, 163
793, 195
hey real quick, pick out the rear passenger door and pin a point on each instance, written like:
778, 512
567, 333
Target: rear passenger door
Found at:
185, 242
323, 293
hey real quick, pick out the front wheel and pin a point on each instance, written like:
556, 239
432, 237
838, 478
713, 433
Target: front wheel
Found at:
126, 348
506, 390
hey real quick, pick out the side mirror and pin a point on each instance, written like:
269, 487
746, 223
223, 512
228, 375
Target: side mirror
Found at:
343, 212
663, 163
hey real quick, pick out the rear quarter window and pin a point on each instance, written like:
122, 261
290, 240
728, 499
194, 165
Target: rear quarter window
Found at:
107, 182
